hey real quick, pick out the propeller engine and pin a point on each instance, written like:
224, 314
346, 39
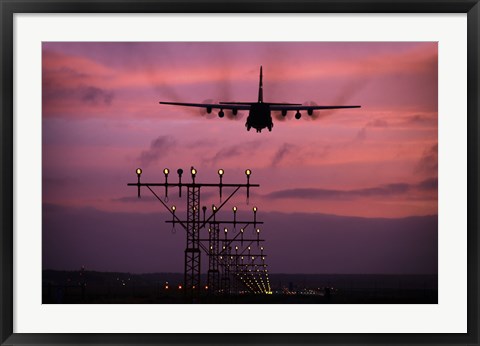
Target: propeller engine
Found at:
313, 114
207, 111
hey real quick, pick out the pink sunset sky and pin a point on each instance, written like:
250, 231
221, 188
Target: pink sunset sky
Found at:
102, 119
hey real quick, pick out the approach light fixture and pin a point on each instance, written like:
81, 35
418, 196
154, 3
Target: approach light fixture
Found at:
247, 173
234, 216
174, 208
220, 174
166, 171
180, 173
139, 173
193, 171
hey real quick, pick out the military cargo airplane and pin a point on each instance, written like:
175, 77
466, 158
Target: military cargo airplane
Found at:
259, 116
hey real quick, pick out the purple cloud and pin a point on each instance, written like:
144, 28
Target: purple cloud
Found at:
158, 149
428, 163
387, 190
284, 151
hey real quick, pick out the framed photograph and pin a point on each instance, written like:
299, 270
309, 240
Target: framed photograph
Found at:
239, 173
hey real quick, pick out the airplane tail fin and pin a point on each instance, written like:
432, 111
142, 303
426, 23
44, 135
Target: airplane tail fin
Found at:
260, 87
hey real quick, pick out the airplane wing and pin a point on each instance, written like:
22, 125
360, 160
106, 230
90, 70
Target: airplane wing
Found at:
209, 105
274, 107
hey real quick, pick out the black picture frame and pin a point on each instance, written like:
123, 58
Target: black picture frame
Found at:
10, 7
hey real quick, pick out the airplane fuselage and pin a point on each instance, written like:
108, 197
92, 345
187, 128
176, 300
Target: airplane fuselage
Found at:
259, 117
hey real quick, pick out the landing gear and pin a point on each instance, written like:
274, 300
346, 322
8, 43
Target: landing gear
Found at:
270, 128
247, 125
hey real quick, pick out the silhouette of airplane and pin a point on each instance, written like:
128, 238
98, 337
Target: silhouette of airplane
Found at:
259, 116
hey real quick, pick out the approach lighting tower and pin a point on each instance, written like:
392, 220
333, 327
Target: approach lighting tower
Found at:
219, 249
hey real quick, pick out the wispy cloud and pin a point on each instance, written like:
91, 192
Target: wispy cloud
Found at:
387, 190
428, 163
234, 151
430, 184
71, 83
158, 149
95, 95
284, 151
90, 95
378, 123
397, 121
361, 135
421, 120
132, 199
